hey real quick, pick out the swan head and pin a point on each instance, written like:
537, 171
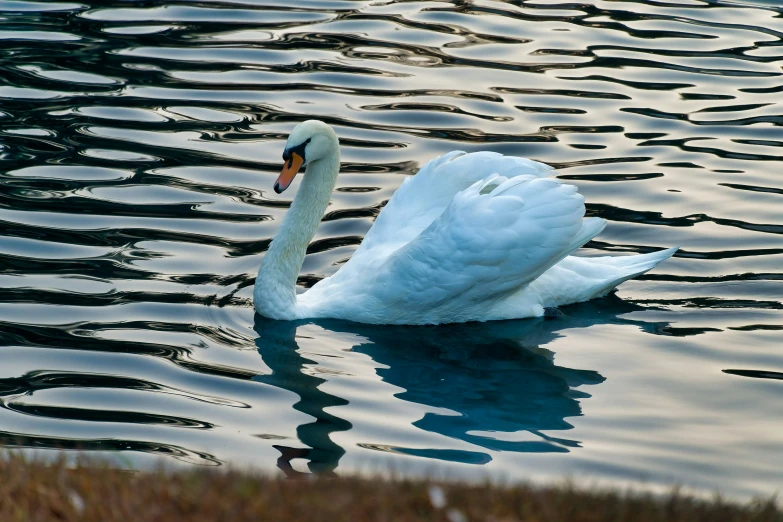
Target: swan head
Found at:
310, 141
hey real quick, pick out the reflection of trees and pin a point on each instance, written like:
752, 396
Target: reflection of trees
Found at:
493, 377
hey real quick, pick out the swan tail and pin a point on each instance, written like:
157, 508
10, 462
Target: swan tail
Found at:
597, 276
641, 263
633, 266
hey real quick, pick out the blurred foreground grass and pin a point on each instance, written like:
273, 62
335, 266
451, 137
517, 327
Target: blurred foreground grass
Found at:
33, 491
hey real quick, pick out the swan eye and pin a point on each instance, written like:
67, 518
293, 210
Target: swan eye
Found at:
299, 149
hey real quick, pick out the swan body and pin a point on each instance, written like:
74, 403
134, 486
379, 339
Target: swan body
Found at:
470, 237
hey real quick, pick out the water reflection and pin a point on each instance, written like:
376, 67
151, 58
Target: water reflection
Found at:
278, 346
137, 156
494, 385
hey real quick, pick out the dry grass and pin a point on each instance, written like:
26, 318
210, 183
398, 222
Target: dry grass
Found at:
35, 491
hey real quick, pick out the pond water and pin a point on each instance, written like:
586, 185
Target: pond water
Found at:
138, 149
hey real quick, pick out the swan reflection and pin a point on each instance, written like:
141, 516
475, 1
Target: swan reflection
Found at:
485, 386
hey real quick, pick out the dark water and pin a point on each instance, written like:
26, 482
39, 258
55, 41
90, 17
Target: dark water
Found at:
138, 147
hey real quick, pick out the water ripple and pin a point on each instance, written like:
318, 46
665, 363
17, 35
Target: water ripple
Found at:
139, 145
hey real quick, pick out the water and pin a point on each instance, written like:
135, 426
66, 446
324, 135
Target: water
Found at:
139, 146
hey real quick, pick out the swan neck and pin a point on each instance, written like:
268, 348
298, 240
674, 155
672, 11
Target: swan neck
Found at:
275, 290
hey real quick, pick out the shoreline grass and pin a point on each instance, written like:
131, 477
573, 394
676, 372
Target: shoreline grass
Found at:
35, 491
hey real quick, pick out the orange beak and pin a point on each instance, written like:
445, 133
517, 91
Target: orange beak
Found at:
289, 171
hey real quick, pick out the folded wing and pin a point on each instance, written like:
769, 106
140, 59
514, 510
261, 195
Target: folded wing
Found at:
493, 239
423, 197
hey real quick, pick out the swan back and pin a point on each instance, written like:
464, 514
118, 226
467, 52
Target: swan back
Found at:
451, 244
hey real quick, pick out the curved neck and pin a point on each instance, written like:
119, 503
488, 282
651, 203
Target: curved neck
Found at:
275, 289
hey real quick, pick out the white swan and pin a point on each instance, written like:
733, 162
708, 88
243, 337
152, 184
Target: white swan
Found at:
471, 237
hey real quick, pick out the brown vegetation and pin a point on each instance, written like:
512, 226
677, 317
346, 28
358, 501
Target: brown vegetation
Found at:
35, 491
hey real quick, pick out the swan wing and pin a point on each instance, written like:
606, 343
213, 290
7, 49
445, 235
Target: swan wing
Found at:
494, 238
423, 197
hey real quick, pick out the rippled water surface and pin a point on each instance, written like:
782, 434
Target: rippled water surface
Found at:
138, 148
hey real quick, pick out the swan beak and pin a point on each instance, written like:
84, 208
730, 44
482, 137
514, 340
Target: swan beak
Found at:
289, 171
